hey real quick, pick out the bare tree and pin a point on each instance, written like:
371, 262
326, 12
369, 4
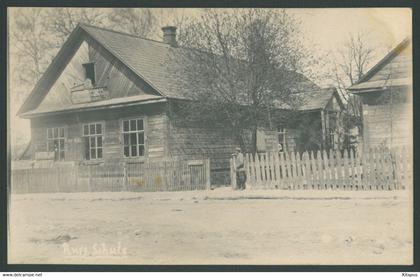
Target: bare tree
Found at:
139, 22
31, 45
352, 60
350, 64
62, 21
240, 67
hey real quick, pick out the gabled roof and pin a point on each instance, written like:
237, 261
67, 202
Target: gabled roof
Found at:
319, 99
144, 57
400, 75
313, 99
147, 59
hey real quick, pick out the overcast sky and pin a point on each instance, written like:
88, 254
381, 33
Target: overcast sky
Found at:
327, 28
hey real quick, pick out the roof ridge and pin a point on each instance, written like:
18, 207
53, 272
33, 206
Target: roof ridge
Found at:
121, 33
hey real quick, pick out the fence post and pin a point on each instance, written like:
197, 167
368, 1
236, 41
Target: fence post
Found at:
372, 169
363, 171
299, 179
125, 177
263, 170
207, 168
276, 169
292, 170
305, 170
248, 171
257, 170
333, 178
397, 169
232, 173
405, 184
314, 172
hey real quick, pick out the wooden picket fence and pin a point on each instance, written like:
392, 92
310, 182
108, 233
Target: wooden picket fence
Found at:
375, 169
162, 175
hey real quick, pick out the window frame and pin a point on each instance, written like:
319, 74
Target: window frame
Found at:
64, 137
145, 154
102, 123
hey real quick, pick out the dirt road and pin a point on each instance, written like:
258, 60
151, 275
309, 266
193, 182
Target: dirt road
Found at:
214, 227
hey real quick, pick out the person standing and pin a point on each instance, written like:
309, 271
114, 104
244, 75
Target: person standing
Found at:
240, 169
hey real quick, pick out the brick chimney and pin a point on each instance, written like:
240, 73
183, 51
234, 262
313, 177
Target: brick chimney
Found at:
169, 35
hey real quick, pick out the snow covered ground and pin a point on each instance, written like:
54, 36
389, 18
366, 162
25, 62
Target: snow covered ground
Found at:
213, 227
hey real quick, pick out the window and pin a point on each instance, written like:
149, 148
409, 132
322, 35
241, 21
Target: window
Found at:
90, 72
281, 134
55, 142
93, 140
133, 137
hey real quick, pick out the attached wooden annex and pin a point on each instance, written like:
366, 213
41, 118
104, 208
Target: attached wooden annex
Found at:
386, 92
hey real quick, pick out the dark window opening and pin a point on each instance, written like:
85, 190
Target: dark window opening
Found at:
90, 72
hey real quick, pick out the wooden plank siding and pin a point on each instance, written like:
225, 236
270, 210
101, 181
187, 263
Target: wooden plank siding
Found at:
190, 141
155, 131
388, 125
399, 67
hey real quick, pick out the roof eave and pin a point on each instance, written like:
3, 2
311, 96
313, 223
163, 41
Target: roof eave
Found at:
372, 89
29, 115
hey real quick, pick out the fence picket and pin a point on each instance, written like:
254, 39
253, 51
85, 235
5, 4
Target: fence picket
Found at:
333, 168
258, 170
363, 171
297, 171
148, 176
340, 170
349, 173
312, 169
372, 169
376, 168
268, 170
276, 170
380, 163
306, 171
404, 164
288, 167
396, 169
247, 171
283, 173
292, 171
253, 170
388, 171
